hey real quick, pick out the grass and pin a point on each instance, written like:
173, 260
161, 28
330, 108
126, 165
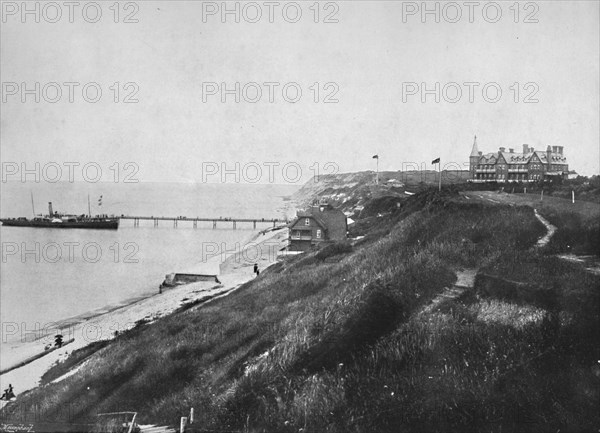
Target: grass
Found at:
315, 345
75, 359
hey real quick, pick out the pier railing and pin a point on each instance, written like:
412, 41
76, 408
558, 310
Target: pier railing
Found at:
195, 220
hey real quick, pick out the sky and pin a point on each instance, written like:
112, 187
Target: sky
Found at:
366, 71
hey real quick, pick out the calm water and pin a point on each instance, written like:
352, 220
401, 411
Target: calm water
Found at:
71, 272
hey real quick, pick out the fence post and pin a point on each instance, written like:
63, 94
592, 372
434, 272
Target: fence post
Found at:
192, 415
182, 424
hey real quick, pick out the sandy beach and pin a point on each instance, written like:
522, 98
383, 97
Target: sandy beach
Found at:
234, 269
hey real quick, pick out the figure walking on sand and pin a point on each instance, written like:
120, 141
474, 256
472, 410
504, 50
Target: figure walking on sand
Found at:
256, 271
8, 393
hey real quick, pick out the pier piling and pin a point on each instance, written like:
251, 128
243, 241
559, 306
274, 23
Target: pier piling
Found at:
194, 221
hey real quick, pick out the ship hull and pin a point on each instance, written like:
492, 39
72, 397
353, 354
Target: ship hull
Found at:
102, 225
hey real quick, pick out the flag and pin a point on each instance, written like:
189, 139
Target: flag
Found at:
375, 156
436, 161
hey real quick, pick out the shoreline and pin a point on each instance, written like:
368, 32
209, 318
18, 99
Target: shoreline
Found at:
102, 323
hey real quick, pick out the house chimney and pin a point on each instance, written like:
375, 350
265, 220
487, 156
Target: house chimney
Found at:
50, 208
480, 153
510, 150
503, 149
549, 156
554, 150
525, 148
560, 149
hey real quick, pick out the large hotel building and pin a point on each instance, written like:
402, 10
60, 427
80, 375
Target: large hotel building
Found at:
530, 165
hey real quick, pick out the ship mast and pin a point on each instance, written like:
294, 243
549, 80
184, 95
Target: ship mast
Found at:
89, 208
32, 206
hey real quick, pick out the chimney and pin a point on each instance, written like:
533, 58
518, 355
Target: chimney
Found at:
560, 149
480, 153
525, 148
511, 150
503, 149
554, 149
531, 149
50, 209
549, 156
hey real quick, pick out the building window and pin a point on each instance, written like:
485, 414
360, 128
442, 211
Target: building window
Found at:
318, 234
307, 222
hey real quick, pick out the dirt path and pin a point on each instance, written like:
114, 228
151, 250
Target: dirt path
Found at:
465, 279
543, 241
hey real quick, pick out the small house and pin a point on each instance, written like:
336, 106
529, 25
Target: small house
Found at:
317, 225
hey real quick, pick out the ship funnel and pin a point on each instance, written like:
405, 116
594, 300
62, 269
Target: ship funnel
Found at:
50, 209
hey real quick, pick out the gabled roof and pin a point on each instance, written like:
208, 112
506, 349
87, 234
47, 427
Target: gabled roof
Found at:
305, 214
554, 157
328, 218
517, 158
489, 156
523, 158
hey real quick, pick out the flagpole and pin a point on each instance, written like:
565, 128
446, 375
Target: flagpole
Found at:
89, 207
440, 173
377, 175
32, 206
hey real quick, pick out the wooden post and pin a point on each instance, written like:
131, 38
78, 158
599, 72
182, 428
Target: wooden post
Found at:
182, 424
440, 170
214, 224
234, 224
192, 415
542, 197
254, 224
572, 196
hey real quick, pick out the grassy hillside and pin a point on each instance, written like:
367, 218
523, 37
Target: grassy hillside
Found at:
350, 191
346, 339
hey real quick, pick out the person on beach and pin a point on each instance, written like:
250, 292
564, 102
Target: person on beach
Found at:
8, 393
256, 271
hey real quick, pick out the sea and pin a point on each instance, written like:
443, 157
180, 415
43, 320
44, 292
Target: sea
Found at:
51, 275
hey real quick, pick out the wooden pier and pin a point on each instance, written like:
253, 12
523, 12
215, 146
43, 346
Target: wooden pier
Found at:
194, 221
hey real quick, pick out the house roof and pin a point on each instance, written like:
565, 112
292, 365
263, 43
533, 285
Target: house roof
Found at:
523, 158
325, 219
305, 214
